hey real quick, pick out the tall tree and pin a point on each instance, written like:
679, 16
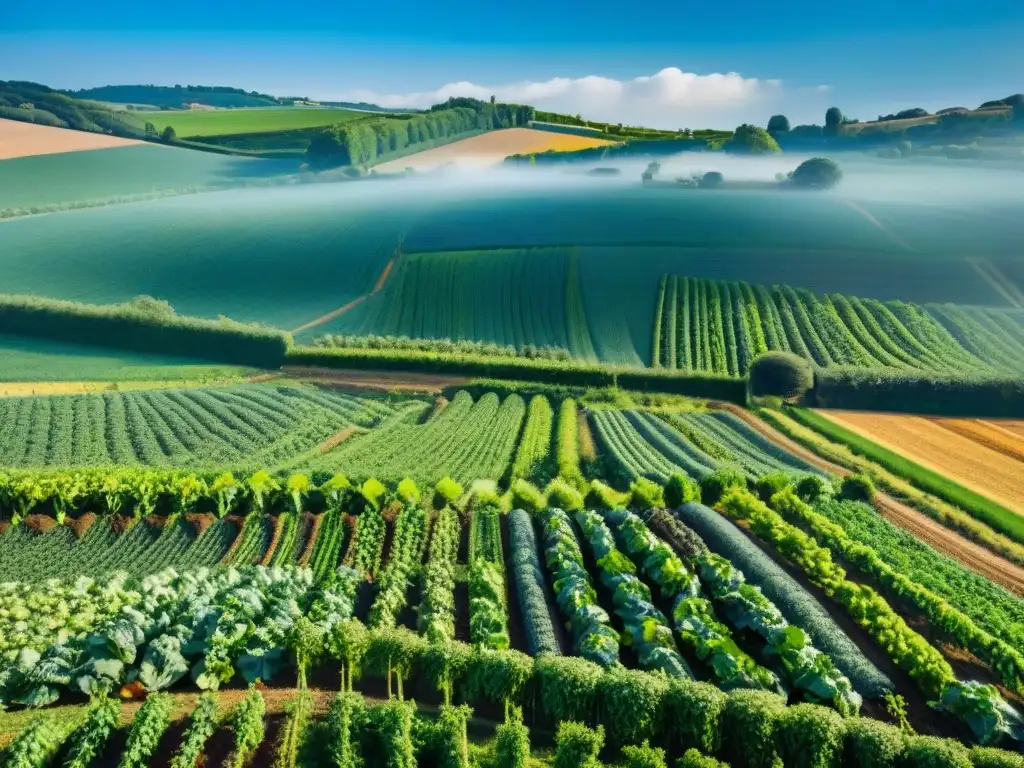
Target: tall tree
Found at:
833, 119
778, 124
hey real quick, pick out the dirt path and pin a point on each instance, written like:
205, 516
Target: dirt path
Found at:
377, 288
377, 381
922, 527
338, 438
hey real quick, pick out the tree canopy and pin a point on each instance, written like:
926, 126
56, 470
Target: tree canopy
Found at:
780, 374
778, 124
751, 140
833, 119
816, 173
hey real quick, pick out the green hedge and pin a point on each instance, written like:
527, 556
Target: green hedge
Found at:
557, 372
998, 517
143, 327
938, 395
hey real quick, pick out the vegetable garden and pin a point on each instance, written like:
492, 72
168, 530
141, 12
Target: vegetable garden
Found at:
562, 581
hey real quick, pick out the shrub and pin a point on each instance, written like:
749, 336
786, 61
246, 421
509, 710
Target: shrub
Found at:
749, 718
694, 713
631, 704
711, 180
408, 491
933, 752
816, 173
988, 757
645, 494
526, 496
562, 495
871, 744
694, 759
602, 496
751, 140
857, 487
679, 490
446, 492
809, 736
577, 746
810, 488
512, 741
713, 486
452, 741
644, 756
780, 374
568, 687
768, 485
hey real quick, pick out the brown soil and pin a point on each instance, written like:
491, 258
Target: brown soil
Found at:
19, 139
922, 527
988, 434
377, 381
984, 471
274, 540
385, 273
314, 531
230, 554
80, 525
121, 523
4, 525
39, 523
200, 521
338, 438
262, 378
157, 522
353, 541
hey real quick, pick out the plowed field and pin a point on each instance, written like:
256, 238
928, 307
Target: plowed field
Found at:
951, 452
24, 139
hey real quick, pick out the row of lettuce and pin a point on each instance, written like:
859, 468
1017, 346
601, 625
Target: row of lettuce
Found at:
621, 547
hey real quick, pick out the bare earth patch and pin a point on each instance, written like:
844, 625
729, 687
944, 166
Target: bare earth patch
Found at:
491, 148
19, 139
987, 472
377, 381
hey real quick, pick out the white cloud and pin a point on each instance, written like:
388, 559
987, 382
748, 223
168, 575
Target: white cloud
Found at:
670, 98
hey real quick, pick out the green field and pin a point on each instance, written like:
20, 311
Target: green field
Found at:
74, 178
720, 327
25, 359
226, 122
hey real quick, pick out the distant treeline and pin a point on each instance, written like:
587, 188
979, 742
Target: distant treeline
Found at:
143, 325
619, 130
365, 141
176, 97
34, 103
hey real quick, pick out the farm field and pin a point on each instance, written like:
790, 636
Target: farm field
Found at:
231, 426
985, 471
720, 327
25, 361
492, 148
126, 172
19, 139
402, 532
217, 262
189, 124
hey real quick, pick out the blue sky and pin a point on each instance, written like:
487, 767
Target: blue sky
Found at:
719, 63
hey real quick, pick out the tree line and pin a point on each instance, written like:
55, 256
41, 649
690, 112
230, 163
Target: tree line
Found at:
364, 142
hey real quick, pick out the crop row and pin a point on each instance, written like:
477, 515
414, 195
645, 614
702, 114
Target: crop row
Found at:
474, 296
639, 444
465, 441
720, 327
488, 603
228, 426
533, 456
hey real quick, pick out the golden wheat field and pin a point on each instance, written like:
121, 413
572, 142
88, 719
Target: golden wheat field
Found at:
986, 459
